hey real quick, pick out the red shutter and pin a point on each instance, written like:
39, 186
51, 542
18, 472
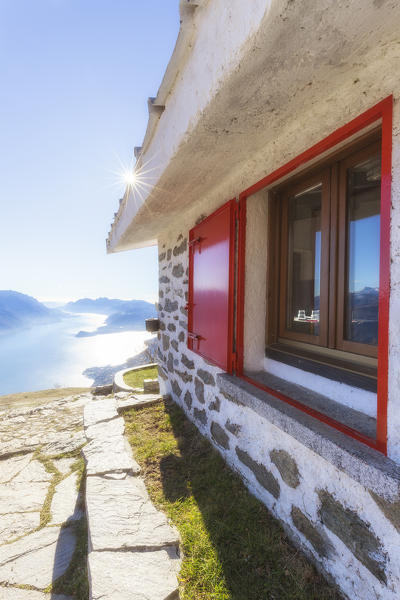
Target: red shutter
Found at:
211, 275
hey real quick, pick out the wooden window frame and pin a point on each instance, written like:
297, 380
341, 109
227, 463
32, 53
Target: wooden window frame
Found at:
380, 114
332, 176
281, 301
341, 342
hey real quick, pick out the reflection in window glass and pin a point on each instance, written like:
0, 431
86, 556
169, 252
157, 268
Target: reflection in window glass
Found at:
363, 225
304, 261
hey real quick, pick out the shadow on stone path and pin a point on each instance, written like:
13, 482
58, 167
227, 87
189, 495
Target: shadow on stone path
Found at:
69, 570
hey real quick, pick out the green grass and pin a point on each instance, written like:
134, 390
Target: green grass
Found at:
45, 513
135, 378
233, 548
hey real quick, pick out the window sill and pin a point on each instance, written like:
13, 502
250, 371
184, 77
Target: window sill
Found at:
349, 417
319, 365
363, 464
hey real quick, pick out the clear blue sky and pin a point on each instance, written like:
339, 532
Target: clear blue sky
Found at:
75, 77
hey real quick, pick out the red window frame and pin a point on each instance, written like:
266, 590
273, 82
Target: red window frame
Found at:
193, 338
380, 112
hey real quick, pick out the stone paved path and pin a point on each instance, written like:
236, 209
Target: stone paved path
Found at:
134, 551
39, 500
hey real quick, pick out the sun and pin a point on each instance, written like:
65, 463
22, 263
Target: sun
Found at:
130, 178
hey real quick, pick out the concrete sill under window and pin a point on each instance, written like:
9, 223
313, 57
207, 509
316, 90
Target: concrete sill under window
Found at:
353, 375
365, 465
335, 410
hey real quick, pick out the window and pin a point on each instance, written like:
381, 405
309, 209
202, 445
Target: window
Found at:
321, 222
327, 264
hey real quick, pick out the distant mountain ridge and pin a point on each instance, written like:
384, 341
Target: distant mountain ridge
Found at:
108, 306
21, 310
123, 315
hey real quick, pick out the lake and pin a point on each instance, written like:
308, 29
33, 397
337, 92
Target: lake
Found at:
48, 356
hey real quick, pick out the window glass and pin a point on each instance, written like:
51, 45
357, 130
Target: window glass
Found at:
363, 225
304, 261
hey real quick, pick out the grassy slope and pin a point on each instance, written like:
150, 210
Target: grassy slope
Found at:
27, 399
233, 548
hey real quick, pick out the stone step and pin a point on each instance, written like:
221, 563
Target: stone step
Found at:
134, 575
115, 427
99, 410
109, 454
121, 516
138, 401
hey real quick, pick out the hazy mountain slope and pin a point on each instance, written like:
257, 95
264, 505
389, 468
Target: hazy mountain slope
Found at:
20, 310
108, 306
123, 315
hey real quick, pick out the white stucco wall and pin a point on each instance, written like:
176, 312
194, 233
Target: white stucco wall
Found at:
256, 282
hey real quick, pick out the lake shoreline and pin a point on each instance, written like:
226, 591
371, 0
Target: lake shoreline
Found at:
50, 356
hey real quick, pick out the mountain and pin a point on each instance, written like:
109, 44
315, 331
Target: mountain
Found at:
363, 306
108, 306
20, 310
123, 315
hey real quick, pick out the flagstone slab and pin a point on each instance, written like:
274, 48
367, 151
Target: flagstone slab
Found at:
65, 442
133, 575
64, 464
138, 401
11, 446
10, 593
17, 497
37, 559
34, 471
14, 525
63, 506
99, 410
109, 454
106, 429
121, 515
9, 468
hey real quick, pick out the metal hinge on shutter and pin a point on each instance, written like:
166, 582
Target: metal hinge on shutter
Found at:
196, 240
195, 337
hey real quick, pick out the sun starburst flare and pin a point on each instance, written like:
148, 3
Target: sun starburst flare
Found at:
137, 180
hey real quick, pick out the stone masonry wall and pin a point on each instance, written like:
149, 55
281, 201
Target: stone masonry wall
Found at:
348, 531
